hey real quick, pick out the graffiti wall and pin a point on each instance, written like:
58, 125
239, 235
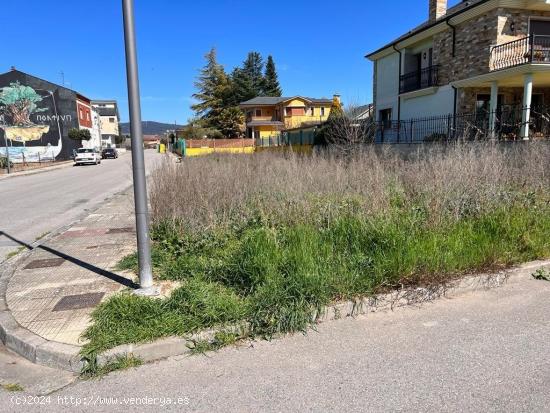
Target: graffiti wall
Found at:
35, 118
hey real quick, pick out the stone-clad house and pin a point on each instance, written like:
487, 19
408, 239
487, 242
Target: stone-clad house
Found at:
477, 55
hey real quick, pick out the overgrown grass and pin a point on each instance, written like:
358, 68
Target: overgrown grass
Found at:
285, 252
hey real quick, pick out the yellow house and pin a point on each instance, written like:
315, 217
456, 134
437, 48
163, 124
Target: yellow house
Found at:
267, 117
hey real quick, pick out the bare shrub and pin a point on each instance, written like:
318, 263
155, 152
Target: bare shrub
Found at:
446, 180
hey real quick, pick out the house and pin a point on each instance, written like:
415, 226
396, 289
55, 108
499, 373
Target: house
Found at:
41, 131
88, 118
151, 141
363, 112
268, 117
109, 119
477, 57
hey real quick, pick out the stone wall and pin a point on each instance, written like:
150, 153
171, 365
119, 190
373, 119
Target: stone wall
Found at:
510, 96
474, 40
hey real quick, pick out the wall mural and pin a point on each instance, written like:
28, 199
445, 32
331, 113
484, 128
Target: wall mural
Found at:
31, 124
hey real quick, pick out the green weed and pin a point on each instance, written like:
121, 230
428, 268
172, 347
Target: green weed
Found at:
14, 387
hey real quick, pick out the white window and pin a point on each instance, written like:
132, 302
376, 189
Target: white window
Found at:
322, 111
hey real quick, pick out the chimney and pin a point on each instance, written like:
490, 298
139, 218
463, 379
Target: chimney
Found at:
438, 9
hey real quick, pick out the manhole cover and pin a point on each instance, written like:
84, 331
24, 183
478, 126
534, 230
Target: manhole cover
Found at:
45, 263
76, 302
120, 230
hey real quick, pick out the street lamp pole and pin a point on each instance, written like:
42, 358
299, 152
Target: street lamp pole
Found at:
138, 162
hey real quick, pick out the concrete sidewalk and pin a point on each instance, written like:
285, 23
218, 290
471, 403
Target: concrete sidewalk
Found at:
55, 288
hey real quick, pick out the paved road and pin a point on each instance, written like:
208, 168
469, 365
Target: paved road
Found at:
33, 205
480, 352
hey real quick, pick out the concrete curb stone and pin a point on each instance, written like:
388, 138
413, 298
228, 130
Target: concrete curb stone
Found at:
178, 346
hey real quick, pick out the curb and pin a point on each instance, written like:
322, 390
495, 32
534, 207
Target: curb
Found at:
36, 170
178, 346
66, 357
24, 342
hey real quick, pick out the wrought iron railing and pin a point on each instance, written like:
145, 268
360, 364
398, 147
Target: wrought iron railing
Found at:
530, 49
419, 79
508, 122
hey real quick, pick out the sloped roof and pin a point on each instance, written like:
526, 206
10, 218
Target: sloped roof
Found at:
270, 100
265, 123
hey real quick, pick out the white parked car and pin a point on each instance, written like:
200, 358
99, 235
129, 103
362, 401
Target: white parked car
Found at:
84, 156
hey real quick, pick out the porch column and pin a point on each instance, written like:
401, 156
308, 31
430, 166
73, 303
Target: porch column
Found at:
493, 105
526, 110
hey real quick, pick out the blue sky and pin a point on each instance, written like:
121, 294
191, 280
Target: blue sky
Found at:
318, 46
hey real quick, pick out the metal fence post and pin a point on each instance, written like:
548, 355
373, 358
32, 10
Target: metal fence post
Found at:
8, 160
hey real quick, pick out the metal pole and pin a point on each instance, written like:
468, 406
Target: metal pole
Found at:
7, 153
138, 162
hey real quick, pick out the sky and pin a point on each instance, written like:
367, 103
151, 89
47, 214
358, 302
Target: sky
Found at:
318, 46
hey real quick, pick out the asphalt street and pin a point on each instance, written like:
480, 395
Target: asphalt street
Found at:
32, 206
486, 351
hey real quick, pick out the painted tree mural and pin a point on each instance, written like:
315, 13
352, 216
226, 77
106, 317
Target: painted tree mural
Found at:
19, 102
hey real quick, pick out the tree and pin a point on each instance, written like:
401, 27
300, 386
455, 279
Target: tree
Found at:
230, 122
195, 131
345, 130
248, 80
80, 134
271, 80
19, 102
120, 139
213, 88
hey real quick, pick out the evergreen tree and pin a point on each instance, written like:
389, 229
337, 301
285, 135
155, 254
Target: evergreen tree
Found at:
248, 81
333, 125
213, 87
230, 122
271, 80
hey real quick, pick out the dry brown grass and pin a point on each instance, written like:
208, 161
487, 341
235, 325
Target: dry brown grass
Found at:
450, 179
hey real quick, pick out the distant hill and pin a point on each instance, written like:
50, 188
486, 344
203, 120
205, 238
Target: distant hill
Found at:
149, 127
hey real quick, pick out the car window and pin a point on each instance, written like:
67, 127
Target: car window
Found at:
83, 150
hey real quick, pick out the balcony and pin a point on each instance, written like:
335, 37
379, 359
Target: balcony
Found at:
419, 79
530, 49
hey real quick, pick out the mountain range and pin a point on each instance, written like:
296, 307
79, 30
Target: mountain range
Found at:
150, 127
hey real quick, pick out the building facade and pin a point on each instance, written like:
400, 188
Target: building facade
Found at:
109, 121
268, 117
36, 117
474, 58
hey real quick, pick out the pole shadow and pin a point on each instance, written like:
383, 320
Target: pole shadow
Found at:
87, 266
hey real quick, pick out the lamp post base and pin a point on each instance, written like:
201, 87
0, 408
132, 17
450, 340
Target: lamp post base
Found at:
153, 291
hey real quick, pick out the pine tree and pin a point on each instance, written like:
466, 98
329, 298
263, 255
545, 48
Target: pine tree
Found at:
271, 80
248, 80
213, 86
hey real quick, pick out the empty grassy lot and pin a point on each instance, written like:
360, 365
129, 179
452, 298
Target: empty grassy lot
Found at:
269, 239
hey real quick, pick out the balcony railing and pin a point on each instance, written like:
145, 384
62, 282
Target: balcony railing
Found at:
419, 79
530, 49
